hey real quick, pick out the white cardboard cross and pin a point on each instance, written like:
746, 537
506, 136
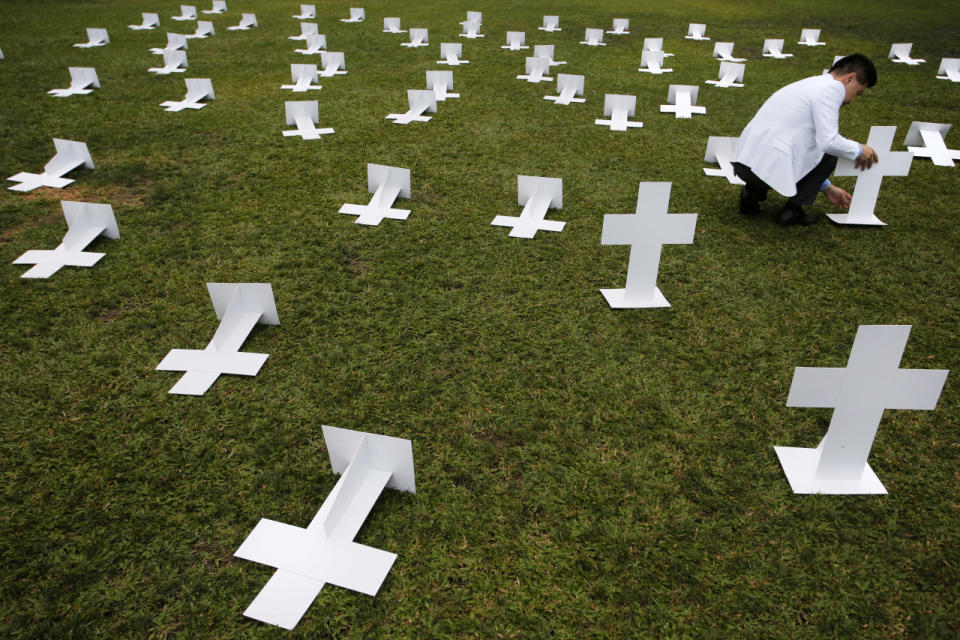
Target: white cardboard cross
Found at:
357, 14
618, 109
316, 42
239, 307
204, 29
474, 16
471, 29
418, 38
695, 32
85, 222
731, 75
568, 87
332, 63
949, 69
386, 184
867, 188
773, 48
451, 52
593, 38
307, 559
150, 21
720, 150
174, 61
515, 40
537, 70
303, 77
198, 90
551, 23
306, 29
307, 12
83, 80
928, 141
247, 21
536, 195
219, 6
811, 38
441, 83
95, 38
546, 51
187, 12
175, 42
70, 155
654, 44
871, 382
420, 101
646, 232
652, 62
900, 52
392, 25
682, 101
305, 114
621, 26
724, 52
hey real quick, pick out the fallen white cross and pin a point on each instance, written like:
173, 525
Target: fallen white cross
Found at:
652, 62
773, 48
85, 222
810, 38
949, 69
618, 109
731, 75
83, 80
70, 155
900, 52
305, 114
316, 43
95, 38
441, 83
150, 21
724, 51
418, 38
307, 559
303, 77
720, 150
451, 52
420, 102
550, 23
356, 15
536, 195
546, 51
247, 21
392, 25
537, 68
306, 29
198, 89
654, 44
386, 184
568, 86
682, 100
187, 12
695, 32
621, 26
928, 141
471, 29
174, 61
593, 38
515, 40
332, 63
204, 29
307, 12
175, 42
219, 6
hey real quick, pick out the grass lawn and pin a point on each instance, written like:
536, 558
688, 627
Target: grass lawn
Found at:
581, 472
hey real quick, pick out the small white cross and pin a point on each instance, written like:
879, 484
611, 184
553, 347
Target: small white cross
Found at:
386, 184
537, 195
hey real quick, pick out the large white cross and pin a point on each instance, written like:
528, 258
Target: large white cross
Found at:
536, 195
858, 394
646, 232
85, 222
70, 155
386, 184
306, 559
867, 188
239, 307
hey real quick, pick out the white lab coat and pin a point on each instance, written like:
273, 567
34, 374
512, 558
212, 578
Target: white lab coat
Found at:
792, 131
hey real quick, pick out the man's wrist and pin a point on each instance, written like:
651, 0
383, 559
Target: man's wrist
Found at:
825, 185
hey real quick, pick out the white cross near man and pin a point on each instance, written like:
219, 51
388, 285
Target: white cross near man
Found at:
871, 382
864, 200
927, 140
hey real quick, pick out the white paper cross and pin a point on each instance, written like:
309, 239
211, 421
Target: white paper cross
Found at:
652, 62
198, 90
867, 188
303, 77
621, 26
551, 23
720, 150
695, 32
546, 51
594, 38
682, 100
239, 307
731, 75
536, 195
150, 21
858, 394
187, 12
175, 42
568, 86
515, 40
392, 25
174, 61
85, 222
900, 52
204, 29
315, 44
70, 155
537, 70
810, 38
724, 51
418, 38
247, 21
471, 29
305, 114
386, 184
307, 12
646, 232
928, 140
356, 15
618, 108
474, 16
441, 83
306, 29
773, 48
451, 52
307, 559
95, 38
332, 63
83, 80
654, 44
219, 6
420, 102
949, 69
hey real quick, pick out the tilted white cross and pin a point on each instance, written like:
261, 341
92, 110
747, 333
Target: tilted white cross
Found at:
316, 42
551, 23
219, 6
515, 40
618, 108
198, 89
239, 307
418, 38
175, 42
652, 62
392, 25
682, 99
900, 52
471, 29
546, 51
306, 115
420, 101
187, 12
303, 77
332, 63
537, 70
731, 75
70, 155
646, 232
85, 222
724, 51
306, 29
858, 394
949, 69
621, 26
867, 188
307, 559
568, 87
474, 16
773, 48
928, 141
695, 32
810, 38
594, 38
204, 29
307, 12
441, 83
96, 38
386, 184
654, 44
150, 21
356, 15
536, 195
451, 52
83, 80
174, 61
720, 150
247, 21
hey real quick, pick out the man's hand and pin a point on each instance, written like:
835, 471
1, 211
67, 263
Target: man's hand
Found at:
867, 158
838, 196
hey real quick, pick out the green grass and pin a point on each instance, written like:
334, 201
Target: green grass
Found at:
581, 472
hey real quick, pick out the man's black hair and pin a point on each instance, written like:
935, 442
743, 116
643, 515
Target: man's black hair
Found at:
859, 64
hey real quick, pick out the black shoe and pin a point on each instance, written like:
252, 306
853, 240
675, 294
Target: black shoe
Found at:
793, 214
749, 202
